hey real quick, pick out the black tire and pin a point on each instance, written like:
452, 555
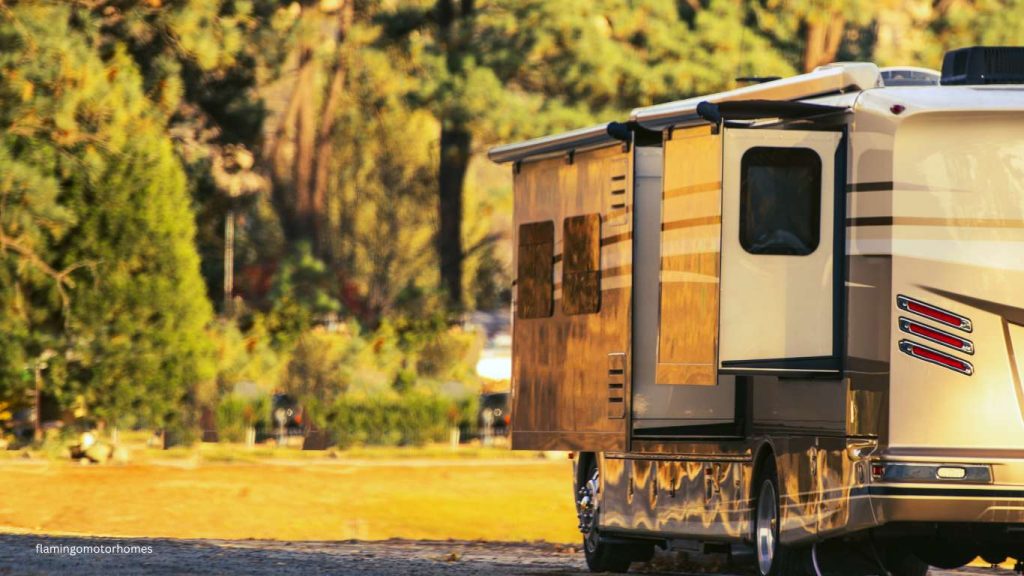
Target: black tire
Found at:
603, 556
902, 562
994, 557
784, 560
942, 553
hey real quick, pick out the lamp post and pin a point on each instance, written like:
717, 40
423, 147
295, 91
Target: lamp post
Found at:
233, 175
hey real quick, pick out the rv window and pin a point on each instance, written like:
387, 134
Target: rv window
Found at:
581, 265
536, 288
780, 201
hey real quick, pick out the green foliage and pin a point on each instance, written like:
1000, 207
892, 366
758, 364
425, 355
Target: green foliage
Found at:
235, 415
243, 357
109, 284
326, 364
400, 420
301, 294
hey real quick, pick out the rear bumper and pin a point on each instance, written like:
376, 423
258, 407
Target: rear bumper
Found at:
996, 494
902, 502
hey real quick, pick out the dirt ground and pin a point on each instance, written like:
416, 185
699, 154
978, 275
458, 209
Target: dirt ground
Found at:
479, 516
20, 555
477, 499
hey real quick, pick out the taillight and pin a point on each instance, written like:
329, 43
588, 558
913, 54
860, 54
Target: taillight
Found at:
935, 357
877, 471
938, 336
934, 313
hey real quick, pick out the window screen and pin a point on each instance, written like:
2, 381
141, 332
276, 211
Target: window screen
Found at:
581, 265
536, 290
780, 201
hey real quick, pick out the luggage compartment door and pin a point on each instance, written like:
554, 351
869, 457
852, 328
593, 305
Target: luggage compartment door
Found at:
676, 388
782, 252
571, 370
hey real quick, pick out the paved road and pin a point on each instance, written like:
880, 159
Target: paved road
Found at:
28, 555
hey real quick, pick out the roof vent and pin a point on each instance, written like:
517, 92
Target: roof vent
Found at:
909, 76
983, 65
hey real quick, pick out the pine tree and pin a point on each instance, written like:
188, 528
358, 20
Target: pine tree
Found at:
128, 321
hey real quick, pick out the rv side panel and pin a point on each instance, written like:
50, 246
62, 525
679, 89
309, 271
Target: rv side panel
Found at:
691, 249
570, 366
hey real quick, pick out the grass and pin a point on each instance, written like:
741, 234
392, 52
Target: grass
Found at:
136, 443
362, 494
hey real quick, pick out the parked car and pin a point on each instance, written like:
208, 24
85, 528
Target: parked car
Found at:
495, 414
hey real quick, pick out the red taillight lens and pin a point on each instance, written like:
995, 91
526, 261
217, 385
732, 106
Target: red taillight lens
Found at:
938, 336
938, 314
877, 471
935, 357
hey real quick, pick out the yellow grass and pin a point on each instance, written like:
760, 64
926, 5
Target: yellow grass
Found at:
488, 499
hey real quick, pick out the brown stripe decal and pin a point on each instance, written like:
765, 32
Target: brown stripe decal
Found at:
945, 222
624, 237
691, 222
869, 187
693, 189
617, 271
870, 221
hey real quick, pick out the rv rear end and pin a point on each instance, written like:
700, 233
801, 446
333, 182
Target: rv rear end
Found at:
950, 471
859, 399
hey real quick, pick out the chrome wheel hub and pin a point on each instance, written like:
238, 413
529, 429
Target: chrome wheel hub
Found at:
766, 527
586, 509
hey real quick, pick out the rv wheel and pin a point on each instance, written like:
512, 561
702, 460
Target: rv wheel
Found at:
942, 553
902, 562
603, 556
773, 559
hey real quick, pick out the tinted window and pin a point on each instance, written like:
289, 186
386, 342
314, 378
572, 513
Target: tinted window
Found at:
581, 265
780, 201
536, 269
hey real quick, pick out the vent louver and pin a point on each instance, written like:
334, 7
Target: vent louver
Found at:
983, 65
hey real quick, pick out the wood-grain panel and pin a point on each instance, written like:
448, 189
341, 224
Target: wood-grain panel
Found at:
691, 254
560, 374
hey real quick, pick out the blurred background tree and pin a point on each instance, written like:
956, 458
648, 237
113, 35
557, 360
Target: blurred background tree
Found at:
313, 172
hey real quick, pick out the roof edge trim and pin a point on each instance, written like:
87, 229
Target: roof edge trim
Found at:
833, 78
590, 137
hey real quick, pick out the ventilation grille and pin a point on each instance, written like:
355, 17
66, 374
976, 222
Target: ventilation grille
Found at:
983, 65
617, 196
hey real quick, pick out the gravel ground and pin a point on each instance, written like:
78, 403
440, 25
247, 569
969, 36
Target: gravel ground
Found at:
26, 555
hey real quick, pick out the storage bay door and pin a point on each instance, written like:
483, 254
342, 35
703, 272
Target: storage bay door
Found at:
571, 302
780, 297
676, 278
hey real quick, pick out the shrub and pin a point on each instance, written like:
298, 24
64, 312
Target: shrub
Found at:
395, 420
236, 414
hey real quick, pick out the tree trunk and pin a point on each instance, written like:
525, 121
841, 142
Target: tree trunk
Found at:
305, 144
301, 196
325, 136
822, 38
455, 153
455, 27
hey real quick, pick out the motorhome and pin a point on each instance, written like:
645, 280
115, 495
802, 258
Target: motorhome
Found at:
789, 316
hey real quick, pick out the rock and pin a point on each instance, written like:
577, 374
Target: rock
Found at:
99, 452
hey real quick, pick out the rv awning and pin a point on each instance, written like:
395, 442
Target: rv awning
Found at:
584, 138
831, 79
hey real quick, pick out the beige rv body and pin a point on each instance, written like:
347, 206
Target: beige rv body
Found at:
705, 360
